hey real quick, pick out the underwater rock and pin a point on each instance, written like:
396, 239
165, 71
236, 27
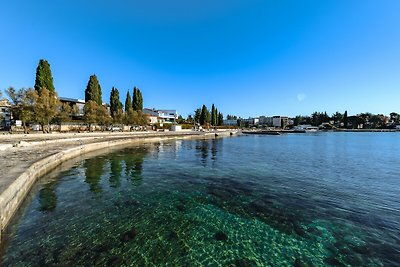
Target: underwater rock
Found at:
243, 263
180, 207
172, 235
129, 235
299, 230
220, 236
102, 248
333, 261
114, 261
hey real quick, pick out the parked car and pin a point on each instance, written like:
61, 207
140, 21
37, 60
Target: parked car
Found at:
115, 129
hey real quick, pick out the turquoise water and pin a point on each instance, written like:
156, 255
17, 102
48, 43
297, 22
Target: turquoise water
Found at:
325, 199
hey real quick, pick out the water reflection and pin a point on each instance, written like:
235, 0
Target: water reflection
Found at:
48, 197
134, 165
93, 171
115, 171
208, 149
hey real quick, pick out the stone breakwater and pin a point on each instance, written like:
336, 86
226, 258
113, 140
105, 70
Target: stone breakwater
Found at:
25, 158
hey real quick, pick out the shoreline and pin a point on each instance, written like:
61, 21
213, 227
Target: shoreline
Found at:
60, 150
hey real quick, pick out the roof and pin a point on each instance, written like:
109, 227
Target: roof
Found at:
72, 100
5, 103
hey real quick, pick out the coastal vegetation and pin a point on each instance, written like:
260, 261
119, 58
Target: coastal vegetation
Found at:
204, 117
41, 105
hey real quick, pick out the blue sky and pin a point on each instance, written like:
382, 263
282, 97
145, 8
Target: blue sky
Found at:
249, 58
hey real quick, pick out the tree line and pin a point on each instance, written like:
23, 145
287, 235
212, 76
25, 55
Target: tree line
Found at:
41, 104
204, 117
342, 120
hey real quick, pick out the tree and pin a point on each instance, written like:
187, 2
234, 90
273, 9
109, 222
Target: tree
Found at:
213, 115
23, 102
197, 115
180, 119
44, 79
46, 108
90, 116
189, 119
394, 117
337, 117
345, 119
220, 119
137, 102
65, 113
204, 116
93, 91
103, 117
115, 105
128, 103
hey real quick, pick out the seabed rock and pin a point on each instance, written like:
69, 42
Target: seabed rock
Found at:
129, 235
220, 236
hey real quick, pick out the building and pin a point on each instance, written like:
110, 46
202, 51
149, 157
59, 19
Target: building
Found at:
78, 105
161, 115
5, 114
230, 122
264, 120
280, 121
251, 121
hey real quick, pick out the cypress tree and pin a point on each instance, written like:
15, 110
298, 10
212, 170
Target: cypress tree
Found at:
197, 115
216, 117
115, 103
137, 102
44, 79
345, 120
93, 91
128, 102
140, 100
213, 117
220, 119
204, 116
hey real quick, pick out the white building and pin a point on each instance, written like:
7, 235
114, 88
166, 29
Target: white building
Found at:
161, 115
5, 113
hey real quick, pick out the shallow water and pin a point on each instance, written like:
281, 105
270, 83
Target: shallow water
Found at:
289, 200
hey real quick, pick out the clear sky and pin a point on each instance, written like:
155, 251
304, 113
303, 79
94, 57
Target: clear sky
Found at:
249, 57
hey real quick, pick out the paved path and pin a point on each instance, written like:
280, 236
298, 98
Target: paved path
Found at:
20, 151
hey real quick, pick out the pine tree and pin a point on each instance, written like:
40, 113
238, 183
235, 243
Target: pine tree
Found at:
44, 79
345, 119
128, 102
93, 91
115, 103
